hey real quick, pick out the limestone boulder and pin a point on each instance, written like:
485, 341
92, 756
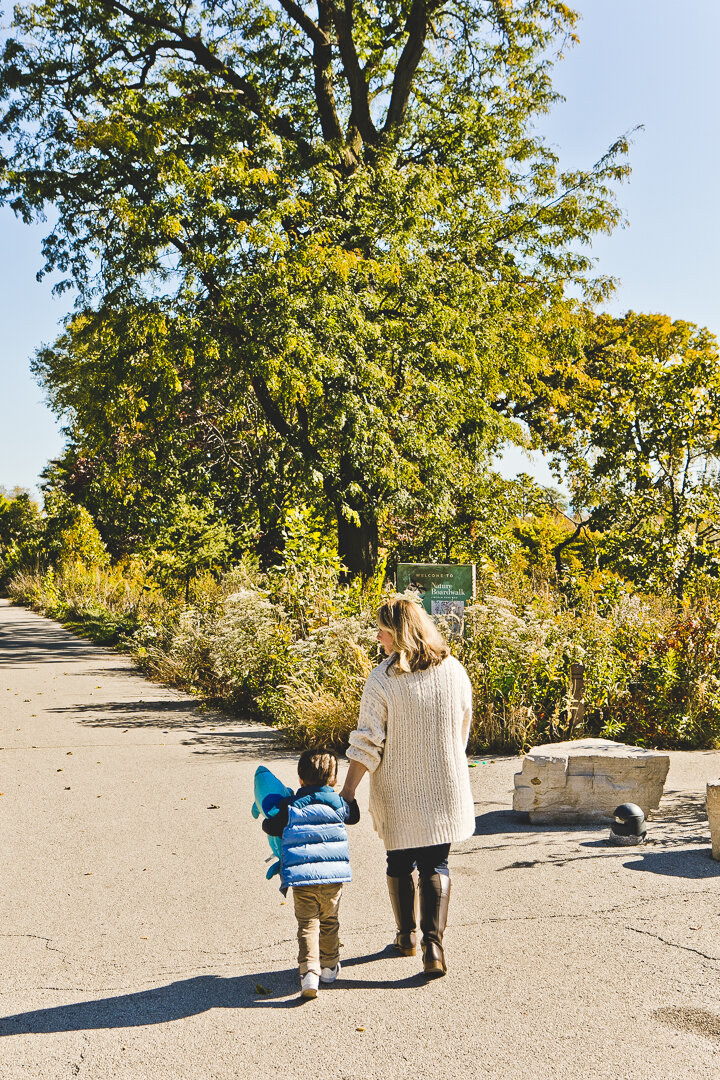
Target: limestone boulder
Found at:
586, 779
713, 813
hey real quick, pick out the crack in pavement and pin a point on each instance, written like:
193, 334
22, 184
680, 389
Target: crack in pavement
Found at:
244, 958
673, 944
76, 1066
641, 901
37, 937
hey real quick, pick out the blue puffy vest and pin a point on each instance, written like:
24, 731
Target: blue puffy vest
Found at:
315, 847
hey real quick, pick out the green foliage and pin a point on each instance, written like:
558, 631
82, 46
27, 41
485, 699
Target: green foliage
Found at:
20, 526
651, 673
190, 539
640, 439
674, 699
103, 603
69, 533
295, 650
334, 239
274, 644
156, 414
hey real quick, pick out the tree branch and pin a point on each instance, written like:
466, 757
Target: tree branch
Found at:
322, 62
410, 57
356, 81
304, 21
251, 97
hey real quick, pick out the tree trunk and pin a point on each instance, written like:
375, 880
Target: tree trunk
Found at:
357, 545
271, 544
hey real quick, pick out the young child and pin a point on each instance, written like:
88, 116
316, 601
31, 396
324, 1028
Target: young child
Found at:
314, 863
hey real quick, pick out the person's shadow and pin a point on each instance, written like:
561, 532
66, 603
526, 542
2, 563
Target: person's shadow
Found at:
188, 997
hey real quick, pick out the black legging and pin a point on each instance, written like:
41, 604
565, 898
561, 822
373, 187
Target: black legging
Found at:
429, 861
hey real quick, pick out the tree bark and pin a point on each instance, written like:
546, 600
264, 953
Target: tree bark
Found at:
270, 545
357, 545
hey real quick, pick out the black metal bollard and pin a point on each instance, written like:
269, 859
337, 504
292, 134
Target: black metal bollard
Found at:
629, 826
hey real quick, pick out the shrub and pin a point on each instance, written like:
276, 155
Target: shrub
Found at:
294, 646
322, 694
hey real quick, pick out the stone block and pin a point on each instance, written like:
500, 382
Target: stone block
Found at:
713, 813
586, 779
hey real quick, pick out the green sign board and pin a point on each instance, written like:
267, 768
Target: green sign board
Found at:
443, 589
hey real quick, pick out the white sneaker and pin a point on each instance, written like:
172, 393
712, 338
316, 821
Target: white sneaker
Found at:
309, 983
329, 975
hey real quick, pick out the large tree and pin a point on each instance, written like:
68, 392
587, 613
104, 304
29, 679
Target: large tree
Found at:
155, 411
349, 196
636, 429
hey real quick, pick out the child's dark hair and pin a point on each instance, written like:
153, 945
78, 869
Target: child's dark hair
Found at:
317, 767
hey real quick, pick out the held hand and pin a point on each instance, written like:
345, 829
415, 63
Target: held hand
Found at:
353, 777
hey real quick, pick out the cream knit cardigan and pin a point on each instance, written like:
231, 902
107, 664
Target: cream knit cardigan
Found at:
411, 736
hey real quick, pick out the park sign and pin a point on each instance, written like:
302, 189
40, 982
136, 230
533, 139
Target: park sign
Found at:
444, 589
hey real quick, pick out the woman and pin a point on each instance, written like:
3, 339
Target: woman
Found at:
414, 723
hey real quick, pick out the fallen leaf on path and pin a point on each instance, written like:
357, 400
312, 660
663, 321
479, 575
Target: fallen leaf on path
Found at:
360, 1029
213, 806
260, 989
69, 753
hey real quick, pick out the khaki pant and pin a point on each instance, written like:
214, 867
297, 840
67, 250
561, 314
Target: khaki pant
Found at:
316, 911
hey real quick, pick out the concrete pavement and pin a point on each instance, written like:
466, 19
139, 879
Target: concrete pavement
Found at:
141, 940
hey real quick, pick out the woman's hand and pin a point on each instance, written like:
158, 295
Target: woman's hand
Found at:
353, 777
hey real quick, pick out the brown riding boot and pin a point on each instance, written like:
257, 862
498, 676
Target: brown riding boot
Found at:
402, 898
434, 900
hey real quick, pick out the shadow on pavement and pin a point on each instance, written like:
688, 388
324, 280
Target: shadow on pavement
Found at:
249, 740
257, 742
502, 821
132, 714
189, 997
687, 863
24, 644
178, 1000
680, 817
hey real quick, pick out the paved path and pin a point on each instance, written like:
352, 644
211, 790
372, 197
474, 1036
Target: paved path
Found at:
140, 939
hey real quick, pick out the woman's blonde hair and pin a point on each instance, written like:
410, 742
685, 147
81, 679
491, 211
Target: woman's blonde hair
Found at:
417, 642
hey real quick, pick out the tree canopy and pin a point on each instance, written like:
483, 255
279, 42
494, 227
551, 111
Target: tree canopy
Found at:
638, 435
347, 202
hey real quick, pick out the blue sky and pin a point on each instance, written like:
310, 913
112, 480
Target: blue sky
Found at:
639, 62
